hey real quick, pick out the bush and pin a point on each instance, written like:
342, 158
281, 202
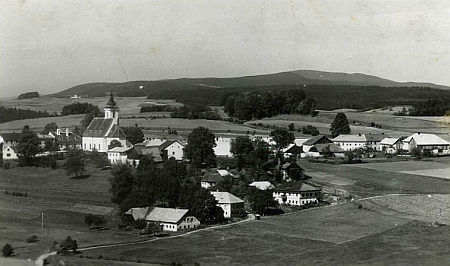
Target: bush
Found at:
32, 239
7, 250
69, 245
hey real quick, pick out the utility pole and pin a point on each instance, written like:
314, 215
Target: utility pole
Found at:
42, 225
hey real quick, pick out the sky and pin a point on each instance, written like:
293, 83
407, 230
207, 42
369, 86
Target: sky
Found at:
52, 45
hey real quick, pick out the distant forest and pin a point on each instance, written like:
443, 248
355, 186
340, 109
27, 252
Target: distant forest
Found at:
10, 114
28, 95
327, 97
79, 108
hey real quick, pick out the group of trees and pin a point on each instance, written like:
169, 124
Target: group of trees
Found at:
247, 106
79, 108
200, 147
92, 219
28, 95
250, 153
157, 108
133, 134
195, 112
170, 185
11, 114
431, 107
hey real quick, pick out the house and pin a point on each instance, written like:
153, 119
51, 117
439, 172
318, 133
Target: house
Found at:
66, 139
326, 150
391, 145
101, 131
291, 170
9, 153
231, 205
119, 155
172, 149
43, 138
210, 180
223, 147
139, 151
426, 142
313, 141
296, 193
168, 218
10, 139
262, 185
352, 142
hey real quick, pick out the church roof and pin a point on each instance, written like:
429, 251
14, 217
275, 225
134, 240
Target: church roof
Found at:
116, 132
98, 127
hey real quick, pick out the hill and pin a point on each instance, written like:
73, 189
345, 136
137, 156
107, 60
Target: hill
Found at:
299, 77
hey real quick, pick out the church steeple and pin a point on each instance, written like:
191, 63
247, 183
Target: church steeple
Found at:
111, 109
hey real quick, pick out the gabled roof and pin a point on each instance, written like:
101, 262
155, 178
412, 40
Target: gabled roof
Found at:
98, 127
10, 147
223, 172
116, 132
389, 141
44, 137
166, 215
316, 139
426, 139
120, 149
167, 143
138, 213
295, 187
350, 138
293, 148
262, 185
289, 165
71, 139
8, 137
226, 198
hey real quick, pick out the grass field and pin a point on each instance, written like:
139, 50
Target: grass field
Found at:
335, 235
371, 179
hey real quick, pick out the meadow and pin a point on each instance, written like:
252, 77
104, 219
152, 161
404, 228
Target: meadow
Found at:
334, 235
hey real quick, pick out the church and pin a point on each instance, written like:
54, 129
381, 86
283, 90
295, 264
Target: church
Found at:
101, 131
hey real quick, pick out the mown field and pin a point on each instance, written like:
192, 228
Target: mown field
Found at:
334, 235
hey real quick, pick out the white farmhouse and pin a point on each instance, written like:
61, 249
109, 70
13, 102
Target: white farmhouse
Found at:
168, 218
352, 142
101, 131
172, 149
9, 153
391, 145
230, 204
296, 193
426, 142
119, 155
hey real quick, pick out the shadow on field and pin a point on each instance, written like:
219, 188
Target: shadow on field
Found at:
80, 177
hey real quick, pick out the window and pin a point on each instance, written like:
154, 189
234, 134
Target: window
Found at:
8, 155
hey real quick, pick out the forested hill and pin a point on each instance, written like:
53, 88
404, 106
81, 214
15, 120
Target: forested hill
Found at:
300, 77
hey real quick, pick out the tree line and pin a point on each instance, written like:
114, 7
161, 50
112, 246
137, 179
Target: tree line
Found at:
196, 111
79, 108
247, 106
11, 114
431, 107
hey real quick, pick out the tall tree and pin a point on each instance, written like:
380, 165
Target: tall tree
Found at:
282, 137
240, 148
28, 146
75, 163
133, 134
199, 149
340, 125
205, 209
122, 183
51, 127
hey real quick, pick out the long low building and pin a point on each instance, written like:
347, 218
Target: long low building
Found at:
296, 193
168, 218
427, 143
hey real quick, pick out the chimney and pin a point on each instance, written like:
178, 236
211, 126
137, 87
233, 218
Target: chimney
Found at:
58, 131
67, 132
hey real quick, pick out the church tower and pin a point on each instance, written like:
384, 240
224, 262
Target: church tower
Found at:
111, 110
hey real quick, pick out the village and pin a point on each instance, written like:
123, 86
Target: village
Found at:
276, 184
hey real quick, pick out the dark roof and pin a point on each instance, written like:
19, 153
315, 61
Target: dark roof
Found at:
138, 152
333, 148
317, 139
375, 137
7, 137
98, 127
116, 132
71, 139
294, 149
295, 187
166, 144
215, 177
290, 165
